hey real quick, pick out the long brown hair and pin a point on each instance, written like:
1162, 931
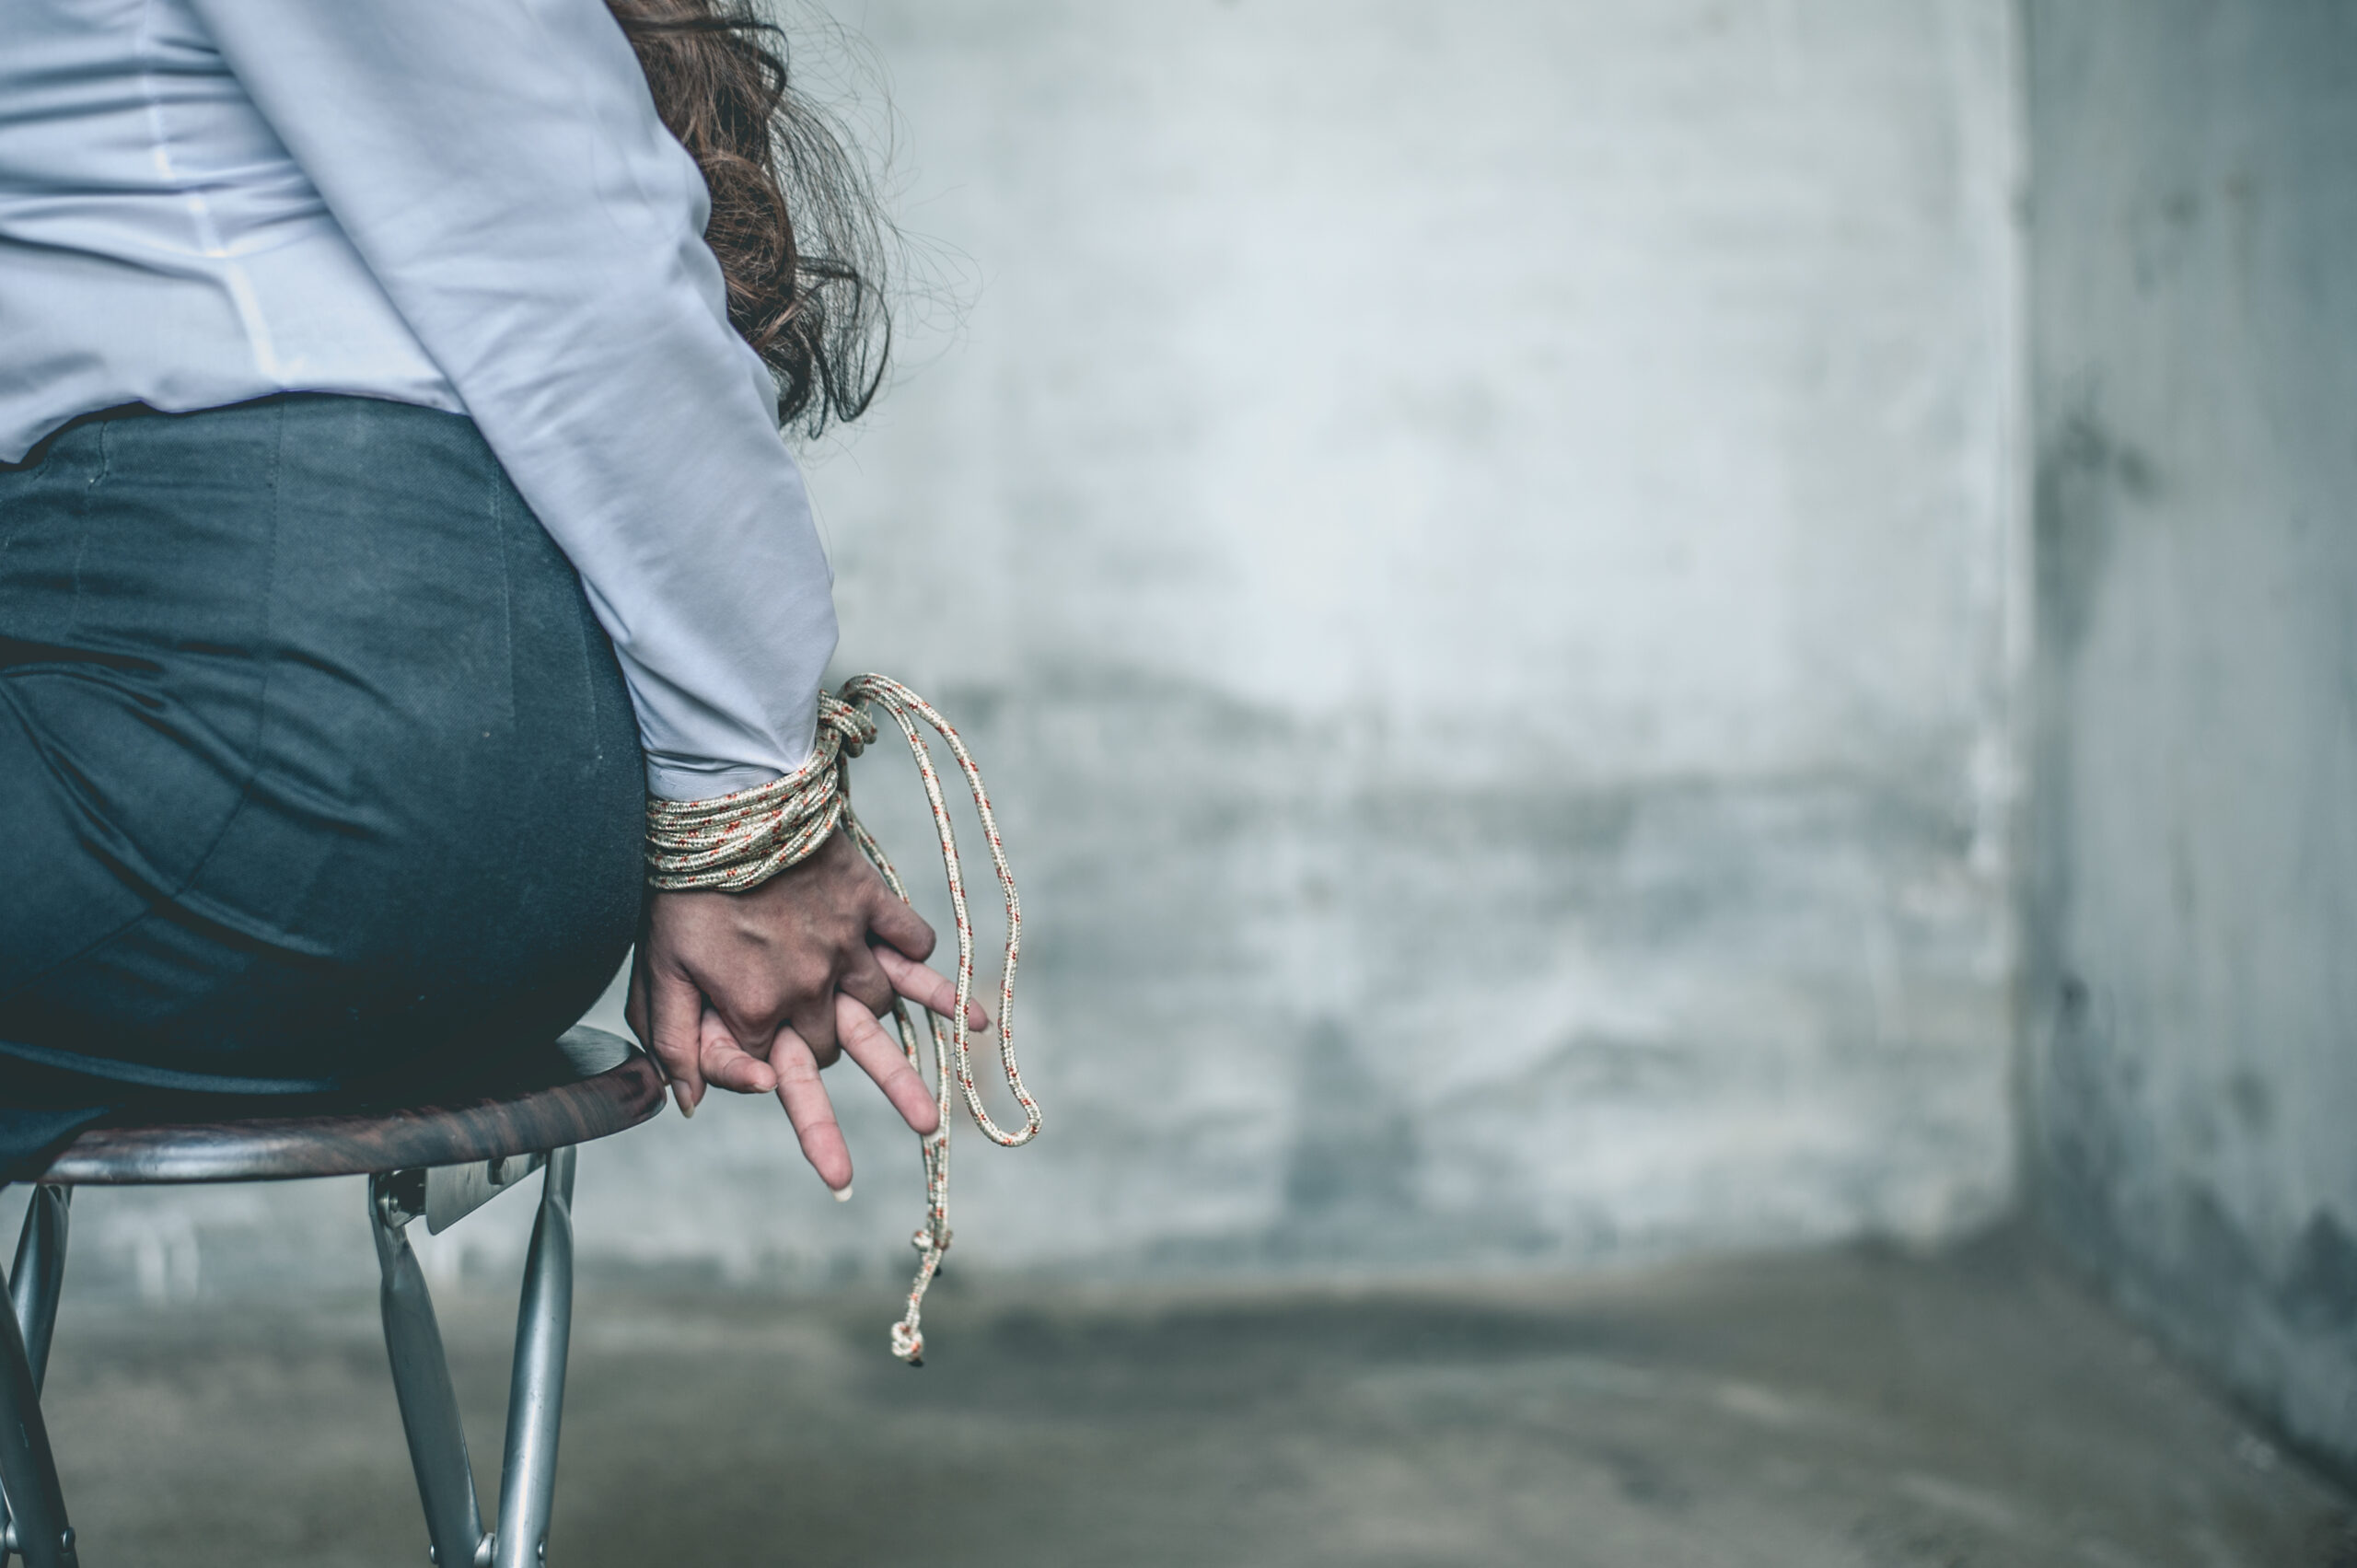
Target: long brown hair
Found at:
796, 224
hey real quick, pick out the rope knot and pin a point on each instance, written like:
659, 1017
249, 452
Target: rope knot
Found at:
907, 1344
851, 727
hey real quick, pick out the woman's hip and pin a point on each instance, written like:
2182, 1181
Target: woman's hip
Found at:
302, 717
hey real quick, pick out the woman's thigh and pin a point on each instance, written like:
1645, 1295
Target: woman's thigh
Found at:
312, 759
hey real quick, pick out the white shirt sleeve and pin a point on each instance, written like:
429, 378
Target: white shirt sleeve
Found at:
500, 167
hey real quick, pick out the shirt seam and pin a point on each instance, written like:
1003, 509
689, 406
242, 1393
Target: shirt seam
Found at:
260, 344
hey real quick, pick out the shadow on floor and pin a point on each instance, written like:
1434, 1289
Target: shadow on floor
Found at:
1805, 1413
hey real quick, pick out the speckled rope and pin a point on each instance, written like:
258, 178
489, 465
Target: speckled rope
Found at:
741, 840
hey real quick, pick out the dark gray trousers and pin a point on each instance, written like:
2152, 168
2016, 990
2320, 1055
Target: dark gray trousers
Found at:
317, 775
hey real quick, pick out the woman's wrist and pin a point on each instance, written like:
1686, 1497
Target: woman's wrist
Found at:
734, 843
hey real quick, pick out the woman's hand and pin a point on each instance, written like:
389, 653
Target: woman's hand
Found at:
757, 991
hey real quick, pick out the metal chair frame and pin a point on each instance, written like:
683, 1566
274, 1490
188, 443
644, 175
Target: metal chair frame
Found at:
33, 1522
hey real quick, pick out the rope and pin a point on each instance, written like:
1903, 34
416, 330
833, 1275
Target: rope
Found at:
741, 840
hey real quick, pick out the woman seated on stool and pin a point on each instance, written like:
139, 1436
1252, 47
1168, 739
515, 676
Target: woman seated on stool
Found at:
392, 496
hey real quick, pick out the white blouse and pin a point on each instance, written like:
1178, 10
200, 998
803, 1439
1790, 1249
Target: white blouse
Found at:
469, 204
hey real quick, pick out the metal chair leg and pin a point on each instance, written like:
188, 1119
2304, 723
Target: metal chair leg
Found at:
39, 1270
437, 1443
536, 1385
33, 1287
37, 1526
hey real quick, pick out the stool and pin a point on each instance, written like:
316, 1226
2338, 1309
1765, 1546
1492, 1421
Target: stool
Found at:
436, 1163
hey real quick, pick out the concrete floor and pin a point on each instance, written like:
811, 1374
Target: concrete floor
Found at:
1854, 1409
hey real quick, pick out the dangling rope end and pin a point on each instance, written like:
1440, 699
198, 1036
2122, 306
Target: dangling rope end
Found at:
907, 1344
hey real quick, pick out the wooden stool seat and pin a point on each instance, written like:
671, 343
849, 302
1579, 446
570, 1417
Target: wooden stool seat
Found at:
584, 1086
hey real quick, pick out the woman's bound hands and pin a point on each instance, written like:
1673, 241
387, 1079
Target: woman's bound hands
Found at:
757, 991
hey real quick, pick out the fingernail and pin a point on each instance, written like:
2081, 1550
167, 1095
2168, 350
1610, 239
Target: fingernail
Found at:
680, 1093
843, 1194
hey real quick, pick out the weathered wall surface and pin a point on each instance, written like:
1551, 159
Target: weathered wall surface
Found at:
2194, 1005
1478, 549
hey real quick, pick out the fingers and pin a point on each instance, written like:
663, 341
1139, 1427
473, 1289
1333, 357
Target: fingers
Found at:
808, 1108
901, 926
634, 999
669, 1016
865, 979
814, 1022
928, 988
727, 1063
880, 1057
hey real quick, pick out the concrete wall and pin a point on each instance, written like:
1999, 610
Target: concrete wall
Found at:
1478, 547
2194, 1002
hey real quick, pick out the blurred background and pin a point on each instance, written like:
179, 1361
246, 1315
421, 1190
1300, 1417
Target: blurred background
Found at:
1705, 649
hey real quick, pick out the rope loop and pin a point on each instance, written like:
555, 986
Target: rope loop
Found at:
740, 841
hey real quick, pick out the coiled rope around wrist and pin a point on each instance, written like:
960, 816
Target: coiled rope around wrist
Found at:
742, 839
